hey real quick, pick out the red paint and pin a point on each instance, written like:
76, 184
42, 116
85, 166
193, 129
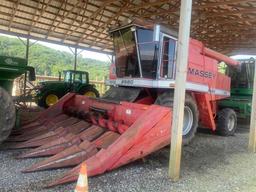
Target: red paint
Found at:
131, 130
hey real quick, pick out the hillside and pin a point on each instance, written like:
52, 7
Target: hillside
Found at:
48, 61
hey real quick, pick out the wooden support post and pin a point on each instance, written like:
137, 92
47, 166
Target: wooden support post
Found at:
252, 136
27, 57
75, 64
179, 94
104, 85
27, 48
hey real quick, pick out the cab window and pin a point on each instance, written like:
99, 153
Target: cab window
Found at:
77, 77
84, 78
168, 57
67, 76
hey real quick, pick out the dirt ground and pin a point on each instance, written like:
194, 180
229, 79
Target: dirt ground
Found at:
210, 163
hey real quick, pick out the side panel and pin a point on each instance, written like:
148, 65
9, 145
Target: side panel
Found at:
204, 70
207, 110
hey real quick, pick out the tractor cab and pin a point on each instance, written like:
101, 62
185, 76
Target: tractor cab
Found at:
144, 51
72, 76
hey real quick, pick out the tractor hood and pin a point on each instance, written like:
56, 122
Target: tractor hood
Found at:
50, 82
51, 85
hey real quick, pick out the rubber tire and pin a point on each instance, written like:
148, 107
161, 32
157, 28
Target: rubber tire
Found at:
167, 98
222, 122
42, 101
7, 114
83, 90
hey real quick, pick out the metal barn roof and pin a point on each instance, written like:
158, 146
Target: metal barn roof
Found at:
228, 26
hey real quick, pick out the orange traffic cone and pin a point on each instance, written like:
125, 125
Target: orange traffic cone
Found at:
82, 182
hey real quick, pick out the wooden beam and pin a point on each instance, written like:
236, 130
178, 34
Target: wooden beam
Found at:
33, 17
34, 21
123, 9
103, 27
47, 25
147, 5
208, 5
71, 30
59, 33
228, 13
52, 26
52, 6
179, 91
50, 13
215, 4
15, 6
208, 14
252, 134
94, 16
66, 13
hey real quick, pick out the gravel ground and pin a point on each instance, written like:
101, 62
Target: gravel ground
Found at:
210, 163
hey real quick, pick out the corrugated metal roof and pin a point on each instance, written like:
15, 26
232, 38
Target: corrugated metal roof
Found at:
224, 25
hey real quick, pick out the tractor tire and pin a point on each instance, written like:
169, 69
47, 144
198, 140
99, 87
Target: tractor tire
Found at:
191, 114
48, 99
226, 122
89, 92
7, 114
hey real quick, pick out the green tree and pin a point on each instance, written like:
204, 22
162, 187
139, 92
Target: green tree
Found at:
48, 61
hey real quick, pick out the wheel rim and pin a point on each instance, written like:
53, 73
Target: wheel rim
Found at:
51, 99
231, 122
90, 94
187, 121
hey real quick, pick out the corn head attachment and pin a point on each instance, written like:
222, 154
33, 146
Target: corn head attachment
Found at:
106, 135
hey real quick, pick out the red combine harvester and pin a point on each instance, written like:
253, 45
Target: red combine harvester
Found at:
133, 119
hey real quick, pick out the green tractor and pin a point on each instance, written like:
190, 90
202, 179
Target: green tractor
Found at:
241, 88
10, 68
49, 92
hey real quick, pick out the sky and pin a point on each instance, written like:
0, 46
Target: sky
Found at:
243, 56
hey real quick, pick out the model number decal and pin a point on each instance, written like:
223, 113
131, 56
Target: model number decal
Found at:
201, 73
127, 82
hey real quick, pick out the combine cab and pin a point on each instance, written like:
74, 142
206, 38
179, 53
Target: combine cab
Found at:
133, 119
241, 88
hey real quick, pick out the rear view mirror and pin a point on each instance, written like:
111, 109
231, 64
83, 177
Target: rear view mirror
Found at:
59, 76
156, 34
32, 74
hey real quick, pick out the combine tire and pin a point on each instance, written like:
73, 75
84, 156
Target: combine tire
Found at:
7, 114
191, 115
48, 99
227, 122
89, 92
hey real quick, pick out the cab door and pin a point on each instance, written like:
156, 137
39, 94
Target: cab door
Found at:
168, 57
77, 81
